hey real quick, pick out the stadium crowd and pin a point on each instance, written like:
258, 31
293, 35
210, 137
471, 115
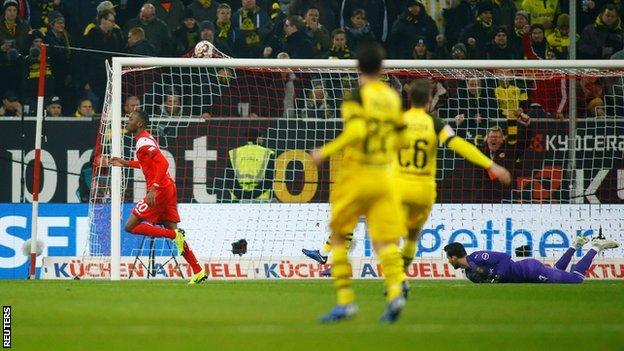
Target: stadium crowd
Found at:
83, 34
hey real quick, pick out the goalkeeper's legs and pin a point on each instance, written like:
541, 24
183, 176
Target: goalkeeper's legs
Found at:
565, 259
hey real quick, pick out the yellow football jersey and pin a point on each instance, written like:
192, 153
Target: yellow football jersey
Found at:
372, 116
417, 158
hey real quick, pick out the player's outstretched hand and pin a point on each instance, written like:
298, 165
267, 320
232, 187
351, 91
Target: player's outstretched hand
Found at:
317, 158
501, 173
119, 162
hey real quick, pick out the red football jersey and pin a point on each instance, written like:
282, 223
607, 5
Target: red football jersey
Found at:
151, 161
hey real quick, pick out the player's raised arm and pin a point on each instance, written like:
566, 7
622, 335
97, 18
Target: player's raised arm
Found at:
420, 96
354, 128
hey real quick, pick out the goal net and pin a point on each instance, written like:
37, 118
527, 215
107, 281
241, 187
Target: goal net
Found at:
560, 130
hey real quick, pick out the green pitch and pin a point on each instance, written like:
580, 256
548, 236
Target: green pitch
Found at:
272, 315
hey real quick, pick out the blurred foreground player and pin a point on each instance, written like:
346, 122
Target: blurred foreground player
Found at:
365, 186
159, 208
497, 267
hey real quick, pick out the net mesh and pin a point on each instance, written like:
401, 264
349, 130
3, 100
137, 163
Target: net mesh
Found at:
562, 187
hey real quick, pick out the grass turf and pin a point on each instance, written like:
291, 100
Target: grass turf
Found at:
282, 315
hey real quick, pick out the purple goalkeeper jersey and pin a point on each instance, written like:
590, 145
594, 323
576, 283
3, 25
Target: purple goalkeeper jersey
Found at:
497, 267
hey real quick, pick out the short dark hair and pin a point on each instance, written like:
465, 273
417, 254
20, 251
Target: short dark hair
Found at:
103, 15
142, 115
455, 249
420, 92
296, 21
337, 31
370, 56
360, 12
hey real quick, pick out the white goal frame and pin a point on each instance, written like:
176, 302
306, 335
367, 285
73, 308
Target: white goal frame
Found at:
120, 63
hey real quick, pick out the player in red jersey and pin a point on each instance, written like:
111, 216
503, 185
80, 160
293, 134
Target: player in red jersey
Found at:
159, 207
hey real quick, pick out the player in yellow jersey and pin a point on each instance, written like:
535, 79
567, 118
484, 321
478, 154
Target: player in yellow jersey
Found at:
415, 162
365, 185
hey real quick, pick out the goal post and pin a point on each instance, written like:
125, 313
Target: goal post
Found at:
285, 129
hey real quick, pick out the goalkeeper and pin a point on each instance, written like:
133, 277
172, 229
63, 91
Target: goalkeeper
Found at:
498, 267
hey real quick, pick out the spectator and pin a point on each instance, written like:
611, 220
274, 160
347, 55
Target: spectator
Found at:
479, 34
534, 44
156, 31
592, 88
441, 51
328, 11
225, 39
459, 17
472, 107
506, 154
542, 12
435, 9
13, 30
80, 14
596, 108
559, 39
603, 38
298, 45
504, 12
107, 42
204, 10
172, 107
40, 13
420, 51
137, 45
359, 30
548, 97
250, 174
520, 28
32, 70
187, 35
103, 6
54, 108
132, 104
206, 31
379, 18
316, 105
276, 39
84, 109
169, 11
61, 57
316, 31
11, 66
339, 48
11, 106
589, 10
459, 52
254, 27
289, 78
414, 23
499, 49
512, 102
